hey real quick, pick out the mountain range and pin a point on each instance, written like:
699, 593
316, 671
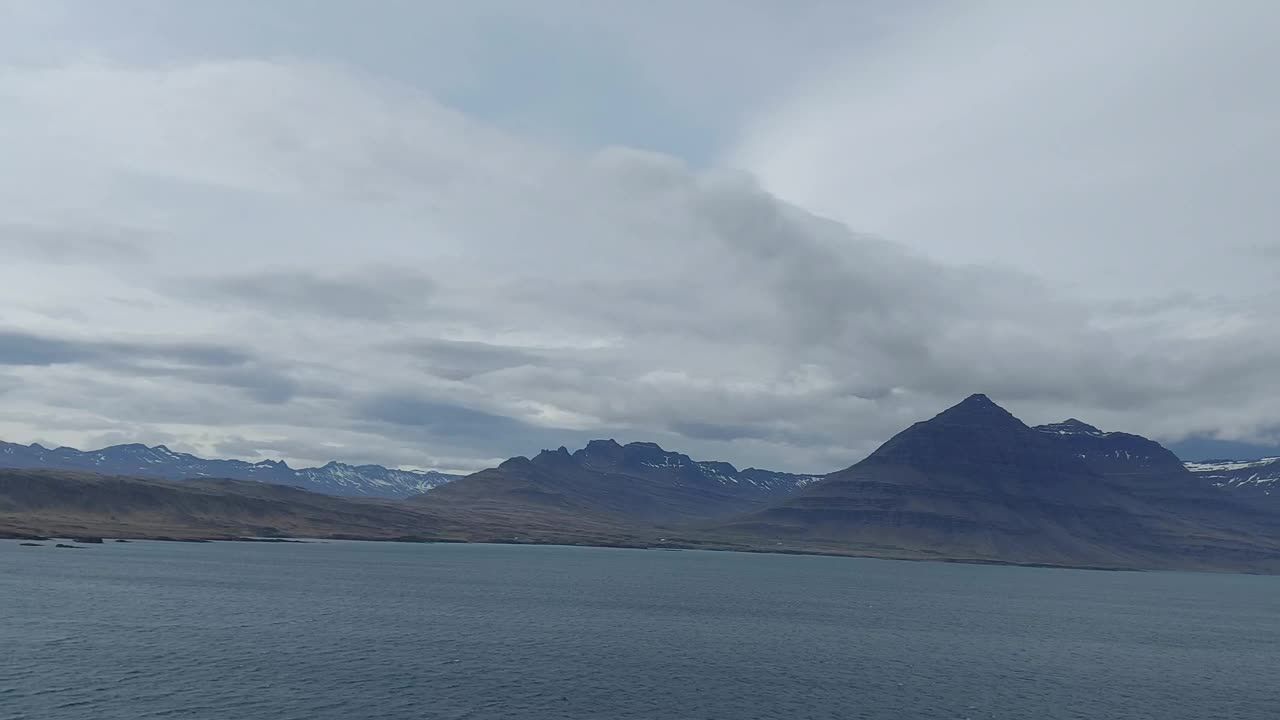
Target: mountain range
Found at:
136, 460
972, 484
637, 484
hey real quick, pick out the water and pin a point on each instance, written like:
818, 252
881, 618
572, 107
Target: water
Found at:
348, 631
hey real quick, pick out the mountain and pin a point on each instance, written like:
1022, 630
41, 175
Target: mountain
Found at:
1113, 453
58, 503
975, 483
160, 462
1251, 480
70, 504
1149, 467
632, 484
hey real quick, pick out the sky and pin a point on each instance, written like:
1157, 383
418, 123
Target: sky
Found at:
438, 235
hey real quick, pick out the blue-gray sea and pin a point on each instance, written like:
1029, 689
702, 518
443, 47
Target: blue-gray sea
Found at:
348, 631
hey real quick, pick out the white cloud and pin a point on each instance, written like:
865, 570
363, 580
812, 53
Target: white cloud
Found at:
1115, 150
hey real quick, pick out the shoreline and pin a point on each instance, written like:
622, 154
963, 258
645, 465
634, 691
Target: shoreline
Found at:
86, 541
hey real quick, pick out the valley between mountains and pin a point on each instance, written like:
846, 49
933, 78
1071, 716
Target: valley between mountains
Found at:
973, 484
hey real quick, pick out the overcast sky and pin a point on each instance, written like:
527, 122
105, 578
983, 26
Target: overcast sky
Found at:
441, 234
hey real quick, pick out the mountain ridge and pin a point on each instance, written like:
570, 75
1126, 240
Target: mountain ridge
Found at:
636, 482
138, 460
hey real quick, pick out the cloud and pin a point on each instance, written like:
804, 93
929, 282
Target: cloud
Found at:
22, 348
463, 359
1133, 164
54, 244
374, 295
193, 362
385, 276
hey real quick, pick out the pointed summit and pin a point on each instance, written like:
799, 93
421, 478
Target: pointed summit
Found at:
977, 409
975, 436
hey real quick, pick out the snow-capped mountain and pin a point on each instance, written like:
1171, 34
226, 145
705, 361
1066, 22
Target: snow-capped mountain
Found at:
1243, 477
160, 462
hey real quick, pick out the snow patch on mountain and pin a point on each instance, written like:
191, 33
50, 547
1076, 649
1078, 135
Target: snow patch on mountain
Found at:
1245, 476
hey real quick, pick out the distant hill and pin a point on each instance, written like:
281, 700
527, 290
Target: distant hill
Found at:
160, 462
58, 503
976, 483
62, 503
637, 483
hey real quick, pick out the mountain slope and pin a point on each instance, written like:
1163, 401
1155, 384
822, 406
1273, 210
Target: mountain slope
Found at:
976, 483
160, 462
632, 484
53, 503
1113, 453
61, 503
1255, 481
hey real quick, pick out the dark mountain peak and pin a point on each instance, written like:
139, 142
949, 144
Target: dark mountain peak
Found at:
1070, 426
974, 438
1112, 453
977, 410
558, 456
653, 455
600, 451
608, 453
516, 463
718, 467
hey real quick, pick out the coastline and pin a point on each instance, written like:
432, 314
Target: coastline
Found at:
665, 546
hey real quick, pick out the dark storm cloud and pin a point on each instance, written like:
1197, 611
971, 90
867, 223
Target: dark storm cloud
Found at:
714, 431
1203, 448
18, 348
21, 348
201, 363
70, 245
459, 360
260, 382
441, 418
373, 295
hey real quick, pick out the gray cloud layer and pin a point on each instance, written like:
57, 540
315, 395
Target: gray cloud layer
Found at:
340, 265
